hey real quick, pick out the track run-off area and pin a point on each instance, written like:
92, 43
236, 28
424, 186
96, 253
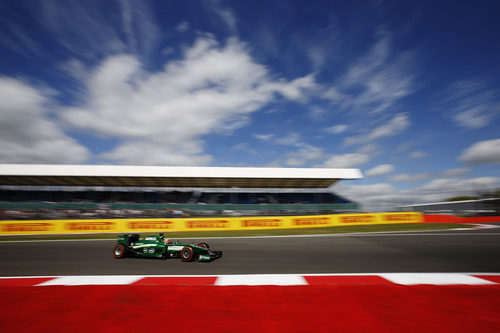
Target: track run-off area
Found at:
411, 301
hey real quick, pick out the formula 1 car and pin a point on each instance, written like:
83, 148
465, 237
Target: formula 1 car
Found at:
157, 246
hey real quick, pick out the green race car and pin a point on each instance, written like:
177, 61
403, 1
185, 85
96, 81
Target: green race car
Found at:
157, 246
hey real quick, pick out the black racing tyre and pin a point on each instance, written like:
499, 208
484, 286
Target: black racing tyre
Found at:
187, 253
119, 251
205, 245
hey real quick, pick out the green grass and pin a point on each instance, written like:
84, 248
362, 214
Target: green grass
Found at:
246, 233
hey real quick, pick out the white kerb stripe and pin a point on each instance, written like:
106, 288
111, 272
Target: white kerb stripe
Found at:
91, 280
434, 278
261, 280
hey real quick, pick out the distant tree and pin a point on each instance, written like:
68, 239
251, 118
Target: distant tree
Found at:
462, 198
492, 194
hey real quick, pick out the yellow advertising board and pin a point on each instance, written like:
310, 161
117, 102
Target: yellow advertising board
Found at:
200, 224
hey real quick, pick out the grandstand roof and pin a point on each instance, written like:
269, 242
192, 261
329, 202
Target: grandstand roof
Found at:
166, 176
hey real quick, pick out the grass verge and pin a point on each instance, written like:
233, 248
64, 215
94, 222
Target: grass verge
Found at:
246, 233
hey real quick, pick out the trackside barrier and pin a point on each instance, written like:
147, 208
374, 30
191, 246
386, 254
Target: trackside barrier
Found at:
458, 219
41, 227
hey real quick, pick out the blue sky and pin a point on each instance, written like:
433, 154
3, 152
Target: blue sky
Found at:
409, 92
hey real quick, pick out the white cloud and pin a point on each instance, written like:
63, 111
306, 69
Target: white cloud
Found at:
337, 129
28, 133
304, 155
404, 177
380, 170
183, 26
264, 137
473, 118
455, 172
213, 89
482, 152
372, 197
295, 90
417, 154
385, 197
346, 160
371, 148
395, 126
333, 94
448, 187
292, 139
450, 173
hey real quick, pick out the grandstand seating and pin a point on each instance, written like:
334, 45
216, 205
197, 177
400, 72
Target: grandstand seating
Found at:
64, 202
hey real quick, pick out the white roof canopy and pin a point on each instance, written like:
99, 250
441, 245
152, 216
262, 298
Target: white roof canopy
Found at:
166, 176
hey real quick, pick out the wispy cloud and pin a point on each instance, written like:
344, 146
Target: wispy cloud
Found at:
395, 126
18, 39
473, 104
337, 129
264, 137
85, 31
79, 28
139, 25
226, 15
375, 81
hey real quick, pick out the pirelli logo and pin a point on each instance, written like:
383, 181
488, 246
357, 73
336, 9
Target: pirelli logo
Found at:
264, 223
312, 221
216, 224
150, 225
358, 219
27, 227
89, 226
400, 217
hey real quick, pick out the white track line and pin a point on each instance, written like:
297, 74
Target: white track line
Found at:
92, 280
261, 280
434, 278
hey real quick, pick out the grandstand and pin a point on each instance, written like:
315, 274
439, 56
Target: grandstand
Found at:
97, 191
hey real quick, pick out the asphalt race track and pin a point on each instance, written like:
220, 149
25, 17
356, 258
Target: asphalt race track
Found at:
438, 251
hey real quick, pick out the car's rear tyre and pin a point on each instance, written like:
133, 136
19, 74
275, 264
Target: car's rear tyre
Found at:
205, 245
119, 251
187, 253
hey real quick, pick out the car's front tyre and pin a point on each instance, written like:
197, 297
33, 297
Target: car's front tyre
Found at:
119, 251
187, 253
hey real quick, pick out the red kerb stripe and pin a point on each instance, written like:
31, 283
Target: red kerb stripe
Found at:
14, 282
492, 278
